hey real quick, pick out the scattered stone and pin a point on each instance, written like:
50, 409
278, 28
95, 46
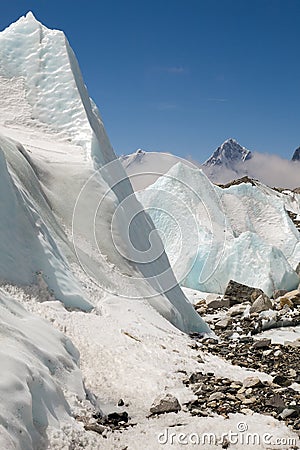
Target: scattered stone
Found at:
281, 380
223, 323
165, 403
95, 427
240, 293
284, 301
251, 382
279, 293
216, 396
121, 402
237, 310
214, 301
287, 412
276, 401
262, 343
262, 303
223, 396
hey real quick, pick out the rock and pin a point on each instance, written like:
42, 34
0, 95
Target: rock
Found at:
281, 380
249, 401
279, 293
294, 296
121, 402
165, 403
284, 301
251, 382
214, 301
262, 343
200, 303
201, 310
262, 303
95, 427
287, 412
223, 323
115, 418
247, 411
292, 373
216, 396
237, 310
240, 293
276, 401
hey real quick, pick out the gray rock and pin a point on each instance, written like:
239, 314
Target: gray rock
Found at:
279, 293
262, 303
215, 301
262, 343
287, 412
223, 323
165, 403
216, 396
239, 293
237, 310
250, 382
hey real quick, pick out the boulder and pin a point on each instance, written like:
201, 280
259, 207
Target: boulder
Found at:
214, 301
165, 403
223, 323
262, 303
240, 293
279, 293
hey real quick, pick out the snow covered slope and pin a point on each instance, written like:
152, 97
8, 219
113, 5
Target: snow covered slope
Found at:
38, 379
213, 235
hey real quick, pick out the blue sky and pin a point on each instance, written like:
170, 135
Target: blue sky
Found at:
182, 76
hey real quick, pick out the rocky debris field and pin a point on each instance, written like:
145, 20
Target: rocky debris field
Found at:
223, 396
236, 318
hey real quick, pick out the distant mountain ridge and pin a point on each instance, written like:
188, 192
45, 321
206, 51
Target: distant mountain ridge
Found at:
296, 155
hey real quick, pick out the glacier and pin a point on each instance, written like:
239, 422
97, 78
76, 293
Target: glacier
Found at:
213, 235
39, 68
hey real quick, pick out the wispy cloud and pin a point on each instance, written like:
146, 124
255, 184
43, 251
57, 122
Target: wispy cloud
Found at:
175, 70
218, 100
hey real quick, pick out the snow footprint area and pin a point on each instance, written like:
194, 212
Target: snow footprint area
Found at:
39, 377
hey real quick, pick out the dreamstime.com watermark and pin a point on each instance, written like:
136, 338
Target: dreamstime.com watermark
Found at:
240, 437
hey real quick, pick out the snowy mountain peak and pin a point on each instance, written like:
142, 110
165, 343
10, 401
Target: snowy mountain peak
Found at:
296, 155
228, 154
136, 157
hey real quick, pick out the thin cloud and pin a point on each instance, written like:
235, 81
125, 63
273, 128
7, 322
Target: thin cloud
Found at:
165, 106
271, 170
175, 70
218, 100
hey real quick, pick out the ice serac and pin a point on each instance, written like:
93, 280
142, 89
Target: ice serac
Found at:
212, 235
46, 106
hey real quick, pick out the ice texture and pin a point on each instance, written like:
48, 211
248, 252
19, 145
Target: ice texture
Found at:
213, 235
